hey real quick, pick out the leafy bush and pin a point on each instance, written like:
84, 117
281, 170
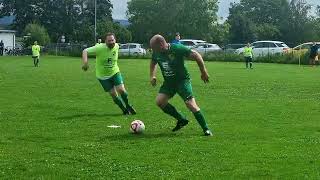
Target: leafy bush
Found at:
277, 58
36, 32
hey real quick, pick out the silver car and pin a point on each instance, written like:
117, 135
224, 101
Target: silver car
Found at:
204, 48
129, 49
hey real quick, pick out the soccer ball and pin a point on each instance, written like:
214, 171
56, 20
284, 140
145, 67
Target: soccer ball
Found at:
137, 127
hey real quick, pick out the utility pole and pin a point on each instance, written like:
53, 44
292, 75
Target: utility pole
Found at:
95, 21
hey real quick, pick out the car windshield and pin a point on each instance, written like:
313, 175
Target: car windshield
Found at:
280, 44
124, 47
187, 43
283, 45
199, 46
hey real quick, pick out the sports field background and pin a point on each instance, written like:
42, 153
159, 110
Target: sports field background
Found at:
53, 123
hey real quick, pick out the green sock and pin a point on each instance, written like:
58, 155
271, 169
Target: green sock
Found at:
124, 97
172, 111
118, 101
201, 120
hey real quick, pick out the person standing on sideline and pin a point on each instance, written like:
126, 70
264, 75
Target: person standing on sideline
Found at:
99, 41
36, 54
170, 58
108, 72
176, 39
313, 54
248, 55
1, 48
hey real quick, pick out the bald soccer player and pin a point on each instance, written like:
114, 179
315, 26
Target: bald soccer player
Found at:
108, 72
170, 58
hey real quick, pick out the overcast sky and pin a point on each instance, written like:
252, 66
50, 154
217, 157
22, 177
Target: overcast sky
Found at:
120, 7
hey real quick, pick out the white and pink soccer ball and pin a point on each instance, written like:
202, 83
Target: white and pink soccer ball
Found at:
137, 127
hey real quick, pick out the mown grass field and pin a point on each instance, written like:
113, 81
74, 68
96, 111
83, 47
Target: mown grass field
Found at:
53, 124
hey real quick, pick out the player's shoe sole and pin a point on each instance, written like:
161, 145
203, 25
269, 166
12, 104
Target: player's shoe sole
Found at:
180, 124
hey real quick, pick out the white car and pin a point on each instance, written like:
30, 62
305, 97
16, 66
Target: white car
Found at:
305, 46
264, 48
132, 49
204, 48
191, 42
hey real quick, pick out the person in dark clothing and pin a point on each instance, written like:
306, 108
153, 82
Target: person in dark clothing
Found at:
1, 48
313, 54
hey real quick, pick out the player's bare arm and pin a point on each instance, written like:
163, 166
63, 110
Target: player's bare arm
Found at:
85, 65
198, 58
153, 72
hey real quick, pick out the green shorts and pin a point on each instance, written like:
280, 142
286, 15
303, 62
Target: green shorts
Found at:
183, 88
113, 81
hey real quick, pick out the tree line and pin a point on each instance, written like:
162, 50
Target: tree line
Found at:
292, 21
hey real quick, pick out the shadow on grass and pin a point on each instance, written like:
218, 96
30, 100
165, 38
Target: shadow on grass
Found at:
89, 115
134, 137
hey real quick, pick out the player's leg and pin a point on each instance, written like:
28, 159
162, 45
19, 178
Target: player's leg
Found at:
250, 62
34, 61
119, 84
195, 109
118, 101
108, 86
166, 92
124, 96
247, 62
38, 60
162, 101
186, 93
311, 61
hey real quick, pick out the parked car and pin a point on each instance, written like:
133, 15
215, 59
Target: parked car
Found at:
132, 49
204, 48
191, 42
303, 48
264, 48
231, 48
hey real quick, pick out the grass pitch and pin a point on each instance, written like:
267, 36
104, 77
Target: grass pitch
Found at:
53, 123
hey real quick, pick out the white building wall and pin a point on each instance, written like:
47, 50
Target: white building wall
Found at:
8, 39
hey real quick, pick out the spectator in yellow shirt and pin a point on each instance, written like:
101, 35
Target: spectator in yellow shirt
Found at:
36, 54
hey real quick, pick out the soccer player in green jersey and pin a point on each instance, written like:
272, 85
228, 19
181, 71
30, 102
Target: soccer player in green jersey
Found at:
170, 58
35, 54
108, 73
248, 55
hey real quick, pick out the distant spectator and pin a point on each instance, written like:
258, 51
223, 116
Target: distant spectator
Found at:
248, 55
35, 54
313, 53
99, 41
1, 48
177, 39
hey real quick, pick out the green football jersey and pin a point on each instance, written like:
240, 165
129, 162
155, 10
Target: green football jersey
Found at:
247, 52
106, 60
172, 63
35, 50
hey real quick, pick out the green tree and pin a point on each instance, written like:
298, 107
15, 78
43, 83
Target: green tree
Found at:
25, 11
267, 31
60, 17
123, 35
36, 32
192, 18
298, 27
241, 26
251, 20
220, 33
